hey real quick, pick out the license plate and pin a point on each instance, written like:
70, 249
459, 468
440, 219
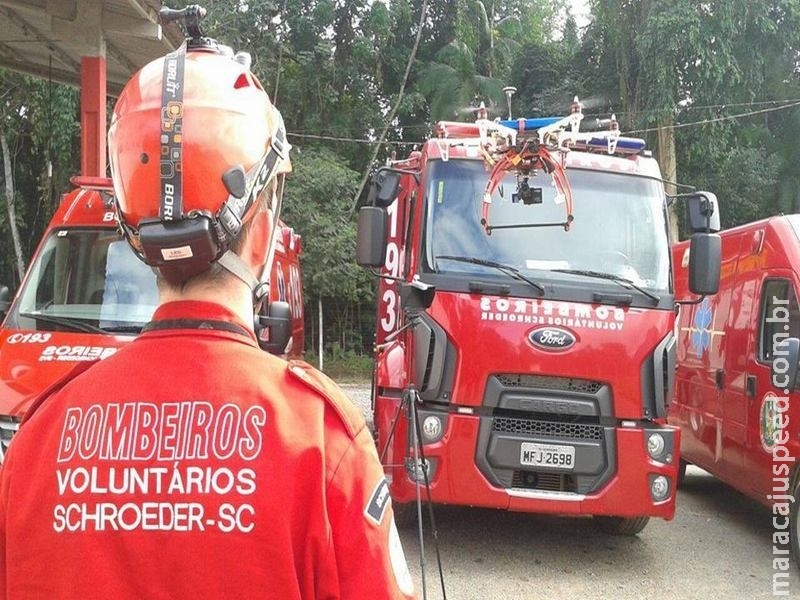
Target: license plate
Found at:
547, 455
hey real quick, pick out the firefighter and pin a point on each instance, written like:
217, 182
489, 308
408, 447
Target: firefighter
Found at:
192, 464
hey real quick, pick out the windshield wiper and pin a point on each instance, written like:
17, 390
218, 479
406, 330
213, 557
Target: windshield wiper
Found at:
623, 281
135, 329
507, 269
69, 323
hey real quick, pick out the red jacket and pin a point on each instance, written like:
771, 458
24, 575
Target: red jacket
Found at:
191, 464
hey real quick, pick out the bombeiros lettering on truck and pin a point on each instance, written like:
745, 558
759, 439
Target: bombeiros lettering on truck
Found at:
85, 294
524, 341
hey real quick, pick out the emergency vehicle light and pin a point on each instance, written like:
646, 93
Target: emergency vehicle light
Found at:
529, 124
624, 145
621, 145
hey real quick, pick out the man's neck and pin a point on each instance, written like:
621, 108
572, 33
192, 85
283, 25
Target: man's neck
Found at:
233, 294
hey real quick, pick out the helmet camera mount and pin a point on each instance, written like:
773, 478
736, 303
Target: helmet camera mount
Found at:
188, 19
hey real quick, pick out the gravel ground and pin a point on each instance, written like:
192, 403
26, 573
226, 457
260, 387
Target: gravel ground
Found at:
360, 394
718, 546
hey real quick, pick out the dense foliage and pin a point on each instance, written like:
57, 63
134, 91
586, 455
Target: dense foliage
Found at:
722, 75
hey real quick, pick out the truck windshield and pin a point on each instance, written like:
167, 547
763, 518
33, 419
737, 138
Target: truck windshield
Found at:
619, 227
86, 280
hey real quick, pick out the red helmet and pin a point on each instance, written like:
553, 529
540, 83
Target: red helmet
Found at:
193, 140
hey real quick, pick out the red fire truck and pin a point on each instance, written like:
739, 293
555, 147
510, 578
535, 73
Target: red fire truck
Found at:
85, 294
736, 389
525, 346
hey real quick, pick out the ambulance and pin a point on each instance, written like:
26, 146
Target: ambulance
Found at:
736, 386
85, 295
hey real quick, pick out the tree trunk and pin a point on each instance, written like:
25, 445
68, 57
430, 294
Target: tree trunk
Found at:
390, 118
12, 213
669, 170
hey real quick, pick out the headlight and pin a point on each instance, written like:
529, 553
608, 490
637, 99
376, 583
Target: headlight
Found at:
432, 425
655, 445
659, 488
418, 470
431, 428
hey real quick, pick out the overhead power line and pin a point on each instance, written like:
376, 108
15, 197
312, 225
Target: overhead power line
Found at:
383, 142
351, 140
720, 118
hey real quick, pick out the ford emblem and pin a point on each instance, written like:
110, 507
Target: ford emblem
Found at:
551, 338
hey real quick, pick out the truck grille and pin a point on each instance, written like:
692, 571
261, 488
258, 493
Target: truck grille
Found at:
545, 382
537, 408
557, 429
8, 427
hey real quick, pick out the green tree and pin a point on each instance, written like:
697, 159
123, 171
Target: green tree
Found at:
545, 80
662, 65
317, 204
476, 64
39, 122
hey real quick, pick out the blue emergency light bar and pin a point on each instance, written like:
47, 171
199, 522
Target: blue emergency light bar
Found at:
530, 124
625, 145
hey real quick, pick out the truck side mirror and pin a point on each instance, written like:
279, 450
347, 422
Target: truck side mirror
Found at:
383, 187
5, 299
702, 212
785, 363
371, 237
275, 330
705, 259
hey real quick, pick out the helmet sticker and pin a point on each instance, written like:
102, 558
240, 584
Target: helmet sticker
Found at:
171, 136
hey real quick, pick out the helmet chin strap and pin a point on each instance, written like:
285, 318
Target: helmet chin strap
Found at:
236, 266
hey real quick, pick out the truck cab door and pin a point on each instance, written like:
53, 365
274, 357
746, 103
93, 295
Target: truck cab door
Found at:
778, 318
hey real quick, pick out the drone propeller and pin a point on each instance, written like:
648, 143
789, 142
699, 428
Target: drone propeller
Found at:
491, 111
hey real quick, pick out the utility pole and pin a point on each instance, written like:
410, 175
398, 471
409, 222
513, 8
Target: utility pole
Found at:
669, 170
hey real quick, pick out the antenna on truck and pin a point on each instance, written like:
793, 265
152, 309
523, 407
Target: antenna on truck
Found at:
509, 91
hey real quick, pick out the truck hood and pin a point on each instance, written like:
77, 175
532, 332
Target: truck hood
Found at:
30, 361
561, 339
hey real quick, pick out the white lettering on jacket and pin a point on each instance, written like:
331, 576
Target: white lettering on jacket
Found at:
143, 431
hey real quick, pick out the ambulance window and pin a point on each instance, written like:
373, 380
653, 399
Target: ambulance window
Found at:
780, 317
86, 280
